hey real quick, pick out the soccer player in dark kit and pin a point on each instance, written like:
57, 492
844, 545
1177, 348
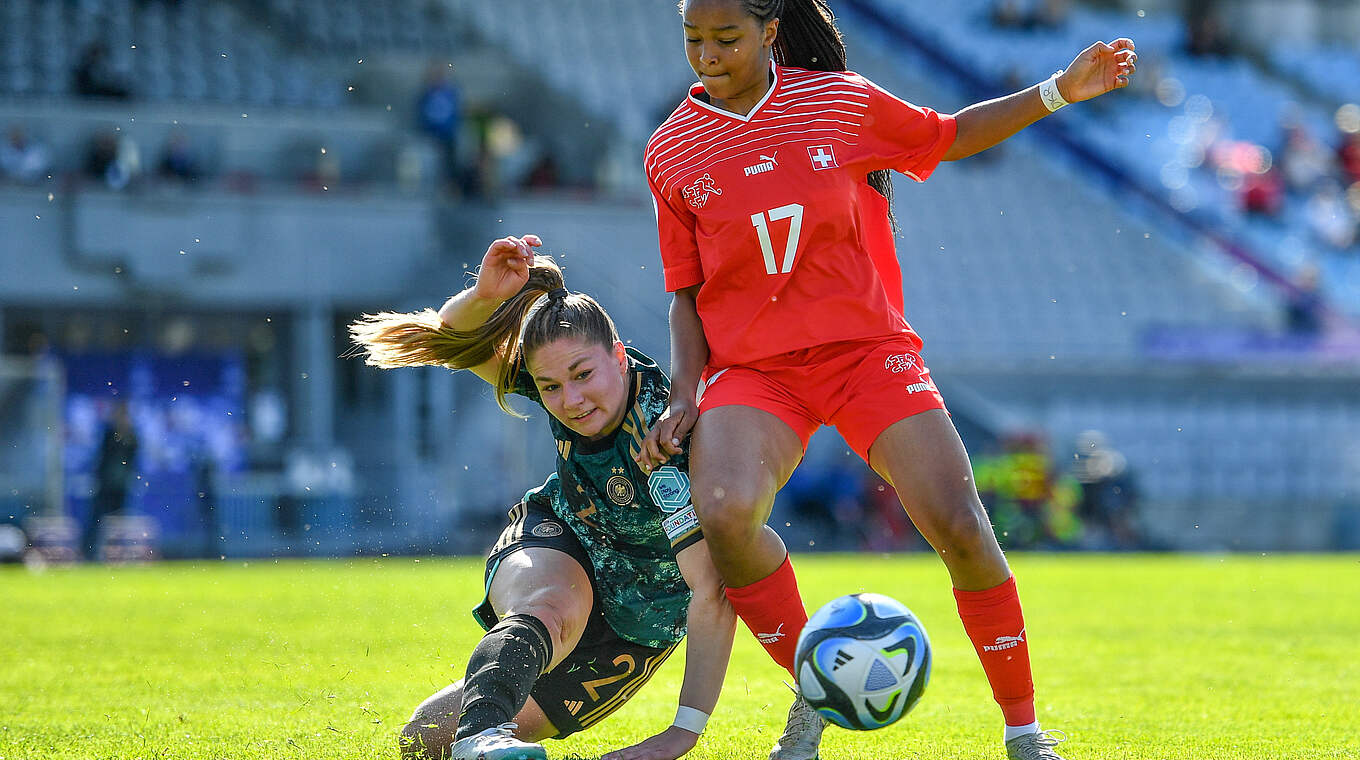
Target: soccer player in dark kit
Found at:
602, 569
773, 211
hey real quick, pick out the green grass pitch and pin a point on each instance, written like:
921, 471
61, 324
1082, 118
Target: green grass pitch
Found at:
1134, 656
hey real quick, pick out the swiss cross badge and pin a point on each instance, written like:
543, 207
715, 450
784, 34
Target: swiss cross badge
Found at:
823, 157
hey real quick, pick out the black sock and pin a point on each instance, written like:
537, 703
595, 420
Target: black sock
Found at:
502, 671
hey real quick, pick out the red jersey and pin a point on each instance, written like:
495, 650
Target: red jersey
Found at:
773, 213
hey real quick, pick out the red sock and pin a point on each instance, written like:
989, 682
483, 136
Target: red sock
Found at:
773, 610
993, 620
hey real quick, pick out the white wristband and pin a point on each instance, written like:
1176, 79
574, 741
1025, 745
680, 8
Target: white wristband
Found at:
690, 719
1048, 92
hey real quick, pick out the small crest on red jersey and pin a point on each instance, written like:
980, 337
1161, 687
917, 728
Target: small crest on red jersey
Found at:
899, 363
698, 191
823, 157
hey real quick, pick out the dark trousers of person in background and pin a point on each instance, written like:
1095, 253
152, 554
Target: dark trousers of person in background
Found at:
106, 502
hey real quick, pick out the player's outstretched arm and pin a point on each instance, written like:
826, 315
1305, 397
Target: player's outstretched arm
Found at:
1097, 70
689, 354
711, 624
504, 270
449, 337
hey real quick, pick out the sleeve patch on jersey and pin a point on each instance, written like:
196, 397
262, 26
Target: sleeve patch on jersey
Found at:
679, 524
669, 489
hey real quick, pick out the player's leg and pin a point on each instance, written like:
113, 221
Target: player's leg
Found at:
429, 732
925, 461
539, 597
542, 598
741, 456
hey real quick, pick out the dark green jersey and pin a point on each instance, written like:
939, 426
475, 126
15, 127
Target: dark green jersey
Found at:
631, 524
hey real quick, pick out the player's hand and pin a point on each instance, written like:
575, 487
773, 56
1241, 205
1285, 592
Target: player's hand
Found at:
667, 745
505, 267
1098, 69
663, 440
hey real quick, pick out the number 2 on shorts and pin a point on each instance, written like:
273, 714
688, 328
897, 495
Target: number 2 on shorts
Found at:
761, 221
592, 687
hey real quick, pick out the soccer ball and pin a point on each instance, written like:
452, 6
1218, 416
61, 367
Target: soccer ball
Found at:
863, 661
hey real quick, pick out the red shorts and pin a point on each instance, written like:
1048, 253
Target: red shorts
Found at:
860, 387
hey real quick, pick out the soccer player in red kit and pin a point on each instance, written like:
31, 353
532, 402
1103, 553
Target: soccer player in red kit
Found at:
774, 216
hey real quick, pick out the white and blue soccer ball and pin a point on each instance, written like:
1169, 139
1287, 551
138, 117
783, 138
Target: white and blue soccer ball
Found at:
863, 661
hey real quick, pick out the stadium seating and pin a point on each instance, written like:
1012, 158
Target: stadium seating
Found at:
208, 52
359, 28
1331, 69
1179, 107
578, 58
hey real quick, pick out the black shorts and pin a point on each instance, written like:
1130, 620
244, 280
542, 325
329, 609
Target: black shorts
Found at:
604, 670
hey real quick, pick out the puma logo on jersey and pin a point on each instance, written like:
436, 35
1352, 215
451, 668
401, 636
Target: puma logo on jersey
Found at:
767, 164
770, 638
697, 193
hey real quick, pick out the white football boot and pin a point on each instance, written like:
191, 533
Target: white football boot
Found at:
1036, 746
802, 733
497, 743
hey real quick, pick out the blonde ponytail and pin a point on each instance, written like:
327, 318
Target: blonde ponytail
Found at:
522, 324
391, 339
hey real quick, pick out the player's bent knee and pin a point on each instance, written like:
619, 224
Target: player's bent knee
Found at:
964, 532
564, 618
730, 514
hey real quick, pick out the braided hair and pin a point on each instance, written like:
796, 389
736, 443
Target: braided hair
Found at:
808, 39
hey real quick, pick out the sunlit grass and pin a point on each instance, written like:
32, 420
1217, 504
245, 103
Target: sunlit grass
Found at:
1147, 657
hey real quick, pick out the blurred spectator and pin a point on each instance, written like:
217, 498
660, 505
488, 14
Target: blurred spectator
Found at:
885, 526
439, 112
113, 473
1030, 504
102, 156
179, 161
1050, 14
23, 159
204, 470
1206, 34
1008, 14
113, 160
1109, 495
826, 501
1330, 218
544, 174
94, 75
1303, 313
1348, 155
1304, 160
1263, 193
1039, 14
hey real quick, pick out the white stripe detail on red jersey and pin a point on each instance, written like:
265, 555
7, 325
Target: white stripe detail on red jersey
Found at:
684, 163
830, 106
666, 154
